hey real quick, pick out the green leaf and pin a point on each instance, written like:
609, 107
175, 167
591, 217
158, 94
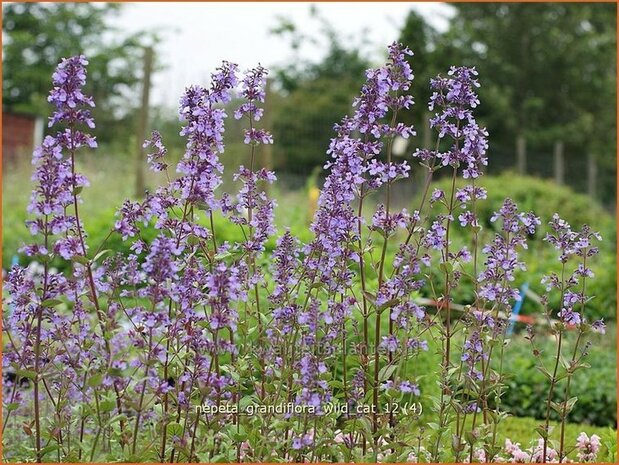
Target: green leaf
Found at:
107, 405
12, 406
51, 448
369, 296
81, 260
570, 404
116, 418
222, 255
447, 267
101, 254
544, 371
95, 380
192, 239
30, 374
386, 372
115, 371
336, 384
51, 303
174, 429
389, 303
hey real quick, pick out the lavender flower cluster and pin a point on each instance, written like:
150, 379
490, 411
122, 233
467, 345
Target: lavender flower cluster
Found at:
110, 359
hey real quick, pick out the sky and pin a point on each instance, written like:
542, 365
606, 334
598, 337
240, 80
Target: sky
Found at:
196, 37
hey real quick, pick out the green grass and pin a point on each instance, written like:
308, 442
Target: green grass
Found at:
111, 182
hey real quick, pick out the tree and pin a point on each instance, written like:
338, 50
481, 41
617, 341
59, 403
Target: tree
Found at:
547, 73
37, 35
317, 96
426, 63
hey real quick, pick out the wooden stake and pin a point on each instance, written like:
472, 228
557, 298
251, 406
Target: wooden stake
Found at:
521, 155
143, 123
559, 163
592, 174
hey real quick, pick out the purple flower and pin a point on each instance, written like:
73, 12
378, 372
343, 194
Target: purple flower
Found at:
570, 316
390, 343
436, 236
409, 388
599, 326
200, 165
69, 79
588, 447
502, 254
456, 96
253, 90
156, 159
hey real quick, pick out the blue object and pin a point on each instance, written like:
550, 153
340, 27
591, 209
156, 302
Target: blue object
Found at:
516, 309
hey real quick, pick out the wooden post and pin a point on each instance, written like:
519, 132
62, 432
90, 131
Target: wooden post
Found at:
267, 121
592, 173
521, 155
143, 123
427, 131
559, 163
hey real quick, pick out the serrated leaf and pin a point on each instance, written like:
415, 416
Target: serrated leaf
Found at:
337, 384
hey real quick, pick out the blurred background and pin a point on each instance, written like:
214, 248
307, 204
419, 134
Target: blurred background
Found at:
548, 76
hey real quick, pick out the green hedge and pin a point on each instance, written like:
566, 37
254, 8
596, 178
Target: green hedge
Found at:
545, 198
527, 388
595, 387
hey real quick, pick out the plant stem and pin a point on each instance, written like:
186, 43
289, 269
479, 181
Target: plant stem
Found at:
553, 380
91, 282
569, 377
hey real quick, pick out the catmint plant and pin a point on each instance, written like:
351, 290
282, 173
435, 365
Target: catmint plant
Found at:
192, 347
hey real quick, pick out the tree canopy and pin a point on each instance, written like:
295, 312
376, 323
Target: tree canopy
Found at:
37, 35
547, 72
318, 95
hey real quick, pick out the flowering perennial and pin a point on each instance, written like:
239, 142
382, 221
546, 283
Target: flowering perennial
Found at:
157, 354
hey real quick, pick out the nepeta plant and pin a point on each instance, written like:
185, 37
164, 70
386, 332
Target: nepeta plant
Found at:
194, 348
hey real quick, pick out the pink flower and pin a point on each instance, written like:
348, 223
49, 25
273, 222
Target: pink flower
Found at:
588, 447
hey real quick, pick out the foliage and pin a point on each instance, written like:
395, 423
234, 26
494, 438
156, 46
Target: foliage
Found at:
595, 388
508, 44
303, 130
